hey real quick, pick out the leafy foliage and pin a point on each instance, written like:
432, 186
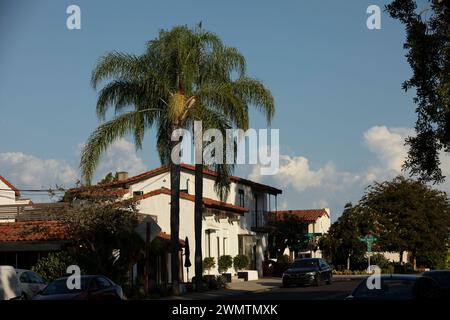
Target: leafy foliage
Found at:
404, 214
241, 261
409, 216
184, 75
209, 263
225, 262
104, 240
54, 265
342, 241
287, 231
428, 45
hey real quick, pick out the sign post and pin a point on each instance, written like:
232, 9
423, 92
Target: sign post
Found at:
368, 239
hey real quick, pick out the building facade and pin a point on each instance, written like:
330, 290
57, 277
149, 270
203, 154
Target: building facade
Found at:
231, 227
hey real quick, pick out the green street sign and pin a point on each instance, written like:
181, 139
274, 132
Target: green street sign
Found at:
368, 239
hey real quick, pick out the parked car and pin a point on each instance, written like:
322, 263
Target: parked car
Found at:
313, 271
93, 287
9, 284
398, 287
31, 283
442, 277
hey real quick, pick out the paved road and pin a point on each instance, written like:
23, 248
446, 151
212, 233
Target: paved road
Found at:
338, 290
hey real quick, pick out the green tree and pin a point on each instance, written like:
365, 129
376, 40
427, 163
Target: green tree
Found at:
109, 177
428, 54
286, 231
408, 215
103, 237
341, 244
184, 75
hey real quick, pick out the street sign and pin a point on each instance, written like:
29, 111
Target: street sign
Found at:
141, 229
368, 239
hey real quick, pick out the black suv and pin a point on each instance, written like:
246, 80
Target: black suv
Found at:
313, 271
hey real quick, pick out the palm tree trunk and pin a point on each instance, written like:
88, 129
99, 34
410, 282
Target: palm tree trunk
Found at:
198, 216
175, 225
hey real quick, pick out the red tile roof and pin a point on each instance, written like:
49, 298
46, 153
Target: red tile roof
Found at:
191, 168
16, 191
310, 215
166, 237
99, 193
33, 231
206, 201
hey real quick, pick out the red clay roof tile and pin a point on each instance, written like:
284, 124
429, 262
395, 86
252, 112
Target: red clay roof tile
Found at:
33, 231
310, 215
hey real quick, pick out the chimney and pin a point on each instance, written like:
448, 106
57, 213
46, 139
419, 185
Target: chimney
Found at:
122, 175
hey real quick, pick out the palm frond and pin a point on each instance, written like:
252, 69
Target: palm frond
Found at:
103, 137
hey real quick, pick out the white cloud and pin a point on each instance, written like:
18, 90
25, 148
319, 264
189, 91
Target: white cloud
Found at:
121, 156
327, 185
388, 145
27, 171
295, 171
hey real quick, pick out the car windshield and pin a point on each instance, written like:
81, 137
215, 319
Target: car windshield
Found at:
306, 263
60, 287
391, 289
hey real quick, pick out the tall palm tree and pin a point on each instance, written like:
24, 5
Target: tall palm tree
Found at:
184, 75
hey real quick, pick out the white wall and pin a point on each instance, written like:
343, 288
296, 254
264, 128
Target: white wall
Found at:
159, 206
6, 196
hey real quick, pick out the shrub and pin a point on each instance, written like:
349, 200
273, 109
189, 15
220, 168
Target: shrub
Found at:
241, 262
225, 262
221, 282
208, 263
380, 261
54, 265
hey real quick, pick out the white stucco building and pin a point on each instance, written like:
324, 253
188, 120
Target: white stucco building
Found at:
232, 227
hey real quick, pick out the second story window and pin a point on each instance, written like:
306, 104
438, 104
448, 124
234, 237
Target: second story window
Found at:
241, 198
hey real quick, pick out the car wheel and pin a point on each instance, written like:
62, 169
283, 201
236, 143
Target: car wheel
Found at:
329, 280
316, 282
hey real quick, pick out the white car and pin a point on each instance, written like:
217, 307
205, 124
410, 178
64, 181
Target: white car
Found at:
10, 287
31, 283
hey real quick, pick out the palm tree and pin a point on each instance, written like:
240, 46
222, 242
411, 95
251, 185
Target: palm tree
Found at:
184, 75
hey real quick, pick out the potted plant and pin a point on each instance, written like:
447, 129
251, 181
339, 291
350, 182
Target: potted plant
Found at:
208, 264
241, 262
225, 263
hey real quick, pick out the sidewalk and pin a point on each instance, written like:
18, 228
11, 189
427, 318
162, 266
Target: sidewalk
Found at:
234, 290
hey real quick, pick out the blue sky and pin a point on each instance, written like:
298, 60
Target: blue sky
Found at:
337, 86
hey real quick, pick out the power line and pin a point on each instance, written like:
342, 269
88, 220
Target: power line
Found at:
36, 190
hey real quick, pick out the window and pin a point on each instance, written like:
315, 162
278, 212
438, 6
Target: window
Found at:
35, 278
138, 193
208, 243
24, 278
102, 283
218, 248
241, 198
